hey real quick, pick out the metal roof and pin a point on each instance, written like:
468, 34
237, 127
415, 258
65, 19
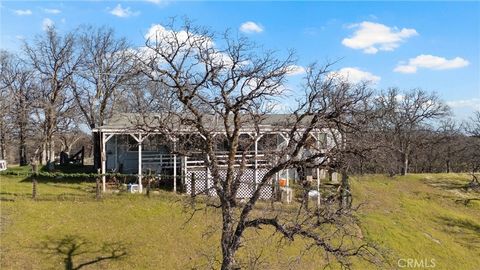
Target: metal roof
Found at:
151, 122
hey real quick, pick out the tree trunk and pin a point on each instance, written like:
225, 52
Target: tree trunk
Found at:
43, 155
448, 166
228, 250
3, 148
51, 150
228, 261
22, 147
346, 197
405, 164
305, 186
96, 149
361, 166
23, 154
3, 141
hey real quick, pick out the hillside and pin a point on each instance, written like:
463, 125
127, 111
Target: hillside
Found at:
421, 217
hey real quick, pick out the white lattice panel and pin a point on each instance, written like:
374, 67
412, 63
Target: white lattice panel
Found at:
245, 190
200, 181
266, 191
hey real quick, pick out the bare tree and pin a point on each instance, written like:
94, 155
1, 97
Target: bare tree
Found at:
473, 125
403, 114
5, 116
107, 65
18, 80
444, 146
54, 60
206, 91
473, 148
5, 122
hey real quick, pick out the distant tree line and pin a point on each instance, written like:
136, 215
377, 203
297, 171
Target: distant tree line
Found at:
61, 85
415, 132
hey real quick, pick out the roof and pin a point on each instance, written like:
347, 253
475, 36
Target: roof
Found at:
124, 122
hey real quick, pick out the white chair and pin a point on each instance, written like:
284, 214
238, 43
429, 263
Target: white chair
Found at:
133, 188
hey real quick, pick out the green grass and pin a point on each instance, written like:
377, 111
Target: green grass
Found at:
417, 216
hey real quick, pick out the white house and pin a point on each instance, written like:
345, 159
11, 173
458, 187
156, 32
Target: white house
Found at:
131, 146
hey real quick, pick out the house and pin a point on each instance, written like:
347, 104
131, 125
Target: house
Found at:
134, 144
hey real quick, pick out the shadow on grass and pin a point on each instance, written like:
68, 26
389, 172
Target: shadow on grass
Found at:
65, 180
77, 252
447, 184
461, 223
466, 232
73, 197
71, 168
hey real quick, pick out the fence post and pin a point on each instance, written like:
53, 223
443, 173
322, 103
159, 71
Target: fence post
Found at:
34, 180
34, 168
34, 188
98, 195
192, 185
97, 185
149, 180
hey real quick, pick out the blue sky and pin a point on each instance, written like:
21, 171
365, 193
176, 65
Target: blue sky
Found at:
431, 45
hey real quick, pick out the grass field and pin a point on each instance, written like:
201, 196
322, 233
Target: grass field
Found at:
420, 217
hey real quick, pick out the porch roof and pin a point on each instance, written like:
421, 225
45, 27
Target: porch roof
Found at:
132, 122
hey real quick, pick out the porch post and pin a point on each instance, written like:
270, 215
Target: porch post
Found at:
256, 162
207, 183
116, 155
104, 164
185, 175
174, 167
140, 187
318, 172
318, 186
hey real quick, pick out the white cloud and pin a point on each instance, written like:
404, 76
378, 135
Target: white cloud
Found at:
156, 31
121, 12
430, 62
373, 37
294, 70
251, 27
405, 69
155, 1
47, 23
400, 97
23, 12
159, 33
463, 109
356, 75
52, 10
473, 103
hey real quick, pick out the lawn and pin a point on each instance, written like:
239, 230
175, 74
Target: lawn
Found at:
420, 217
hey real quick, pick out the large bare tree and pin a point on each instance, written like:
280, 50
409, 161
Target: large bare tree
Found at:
473, 125
200, 87
402, 115
107, 65
54, 59
18, 80
5, 122
5, 96
472, 158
